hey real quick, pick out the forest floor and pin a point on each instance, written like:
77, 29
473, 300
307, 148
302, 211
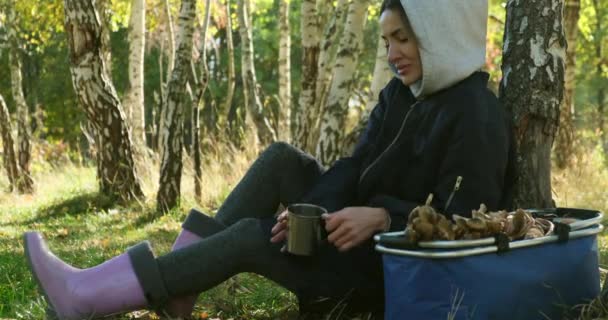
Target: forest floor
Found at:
85, 228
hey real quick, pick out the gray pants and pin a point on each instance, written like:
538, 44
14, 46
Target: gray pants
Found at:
238, 238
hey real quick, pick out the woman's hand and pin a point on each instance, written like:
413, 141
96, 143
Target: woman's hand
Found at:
351, 226
279, 231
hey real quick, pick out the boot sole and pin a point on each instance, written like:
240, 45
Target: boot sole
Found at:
51, 314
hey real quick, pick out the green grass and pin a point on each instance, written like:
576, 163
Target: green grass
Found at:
85, 229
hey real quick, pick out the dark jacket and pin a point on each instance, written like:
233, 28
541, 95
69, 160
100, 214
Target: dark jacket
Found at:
410, 149
413, 148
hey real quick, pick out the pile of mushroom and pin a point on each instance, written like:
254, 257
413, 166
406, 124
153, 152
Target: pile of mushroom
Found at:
425, 224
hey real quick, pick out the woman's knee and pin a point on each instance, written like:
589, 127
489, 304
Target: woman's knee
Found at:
284, 154
280, 149
248, 228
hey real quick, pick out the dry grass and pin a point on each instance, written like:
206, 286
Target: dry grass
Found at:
66, 190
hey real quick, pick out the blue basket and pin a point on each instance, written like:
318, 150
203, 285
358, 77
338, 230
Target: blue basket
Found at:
540, 278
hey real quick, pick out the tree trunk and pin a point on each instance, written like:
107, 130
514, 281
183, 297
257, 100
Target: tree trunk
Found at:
104, 9
253, 104
564, 142
532, 89
329, 147
200, 87
327, 59
170, 66
23, 123
230, 52
171, 38
171, 134
284, 133
159, 100
98, 97
10, 161
311, 30
382, 75
134, 97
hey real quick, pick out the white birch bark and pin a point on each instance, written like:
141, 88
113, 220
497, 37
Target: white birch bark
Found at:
23, 123
532, 87
170, 65
329, 147
382, 75
171, 133
284, 133
200, 88
311, 32
170, 38
103, 8
96, 94
266, 133
134, 97
230, 51
327, 57
8, 156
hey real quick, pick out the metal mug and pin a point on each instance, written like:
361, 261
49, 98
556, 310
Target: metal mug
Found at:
306, 229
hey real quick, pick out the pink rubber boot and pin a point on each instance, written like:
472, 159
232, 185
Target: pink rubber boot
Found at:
73, 294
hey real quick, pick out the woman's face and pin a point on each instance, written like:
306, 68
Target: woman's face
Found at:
401, 47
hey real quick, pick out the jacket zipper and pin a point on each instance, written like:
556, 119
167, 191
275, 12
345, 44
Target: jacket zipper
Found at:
392, 143
456, 188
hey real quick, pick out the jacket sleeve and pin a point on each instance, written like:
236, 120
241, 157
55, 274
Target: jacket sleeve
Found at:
398, 209
337, 187
478, 152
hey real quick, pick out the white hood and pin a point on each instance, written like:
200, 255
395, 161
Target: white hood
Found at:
452, 40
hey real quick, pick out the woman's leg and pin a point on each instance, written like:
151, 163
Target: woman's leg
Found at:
280, 175
245, 247
196, 227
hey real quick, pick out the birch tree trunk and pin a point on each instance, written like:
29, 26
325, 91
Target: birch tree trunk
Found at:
159, 100
327, 58
253, 104
10, 161
284, 133
170, 65
302, 111
329, 147
230, 52
564, 143
200, 88
532, 88
382, 75
96, 94
103, 8
171, 134
134, 97
171, 39
23, 123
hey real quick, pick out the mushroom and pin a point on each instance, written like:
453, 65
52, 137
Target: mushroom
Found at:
518, 224
444, 230
534, 232
411, 234
546, 226
423, 229
477, 224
